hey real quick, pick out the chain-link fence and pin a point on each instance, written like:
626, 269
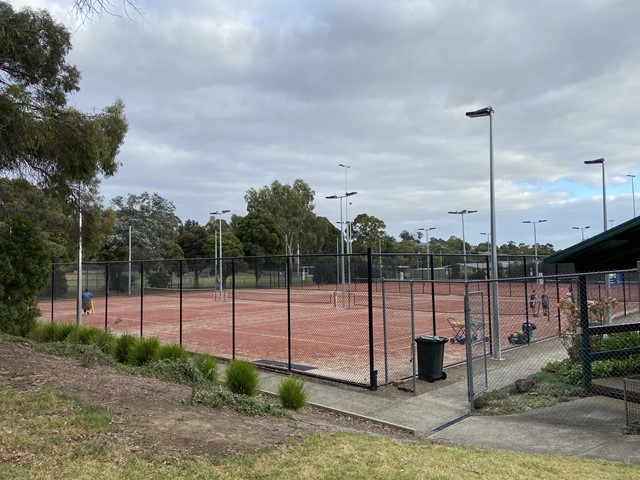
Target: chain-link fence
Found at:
295, 313
354, 318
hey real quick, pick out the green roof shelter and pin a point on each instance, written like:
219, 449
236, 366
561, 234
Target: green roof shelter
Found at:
615, 249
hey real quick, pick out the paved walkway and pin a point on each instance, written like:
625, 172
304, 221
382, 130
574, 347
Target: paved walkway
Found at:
590, 427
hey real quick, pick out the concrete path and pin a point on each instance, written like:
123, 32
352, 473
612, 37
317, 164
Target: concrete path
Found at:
590, 427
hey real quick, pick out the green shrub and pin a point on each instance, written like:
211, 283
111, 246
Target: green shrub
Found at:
293, 393
24, 271
208, 367
172, 351
123, 346
143, 351
27, 327
241, 377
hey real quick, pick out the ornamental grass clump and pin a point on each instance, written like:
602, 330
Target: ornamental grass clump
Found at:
51, 332
143, 351
172, 351
241, 377
86, 335
293, 394
123, 346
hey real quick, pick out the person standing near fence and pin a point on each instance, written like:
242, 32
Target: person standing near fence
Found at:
87, 302
533, 303
545, 304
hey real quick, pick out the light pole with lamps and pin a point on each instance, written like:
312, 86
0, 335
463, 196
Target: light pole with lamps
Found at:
334, 197
633, 195
582, 229
426, 231
607, 287
219, 253
495, 307
535, 242
347, 223
462, 213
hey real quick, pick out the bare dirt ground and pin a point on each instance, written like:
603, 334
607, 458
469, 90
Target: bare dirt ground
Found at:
154, 414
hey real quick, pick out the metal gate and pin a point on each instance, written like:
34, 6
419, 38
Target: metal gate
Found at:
477, 339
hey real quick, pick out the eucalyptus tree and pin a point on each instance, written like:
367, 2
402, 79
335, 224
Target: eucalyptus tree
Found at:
369, 232
290, 205
153, 223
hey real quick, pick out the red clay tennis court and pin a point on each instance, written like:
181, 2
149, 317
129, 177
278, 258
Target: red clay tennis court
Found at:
315, 333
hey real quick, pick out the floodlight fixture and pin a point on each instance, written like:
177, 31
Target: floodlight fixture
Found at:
483, 112
582, 229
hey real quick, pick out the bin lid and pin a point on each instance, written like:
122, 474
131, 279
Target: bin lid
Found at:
431, 339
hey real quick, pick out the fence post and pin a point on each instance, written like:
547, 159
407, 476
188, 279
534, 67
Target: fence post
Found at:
288, 280
180, 287
433, 294
141, 295
373, 373
584, 332
106, 297
233, 307
53, 287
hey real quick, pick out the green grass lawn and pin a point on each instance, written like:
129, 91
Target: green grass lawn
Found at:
49, 435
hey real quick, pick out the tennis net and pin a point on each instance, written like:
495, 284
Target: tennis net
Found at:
280, 296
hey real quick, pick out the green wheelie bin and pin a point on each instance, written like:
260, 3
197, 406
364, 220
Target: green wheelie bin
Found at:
431, 357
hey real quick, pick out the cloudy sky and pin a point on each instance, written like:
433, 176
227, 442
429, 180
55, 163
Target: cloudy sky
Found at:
222, 96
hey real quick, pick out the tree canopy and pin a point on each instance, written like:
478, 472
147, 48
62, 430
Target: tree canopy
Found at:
290, 205
153, 222
42, 139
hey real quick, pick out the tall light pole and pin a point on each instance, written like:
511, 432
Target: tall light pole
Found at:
219, 253
535, 242
495, 307
607, 287
462, 213
334, 197
582, 229
347, 223
346, 207
79, 279
633, 195
426, 231
604, 190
